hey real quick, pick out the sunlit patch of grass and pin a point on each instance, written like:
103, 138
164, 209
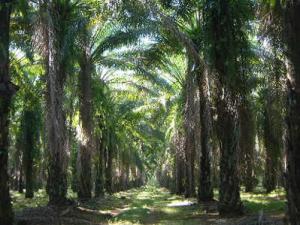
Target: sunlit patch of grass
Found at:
134, 214
258, 200
40, 199
156, 206
20, 202
122, 222
273, 202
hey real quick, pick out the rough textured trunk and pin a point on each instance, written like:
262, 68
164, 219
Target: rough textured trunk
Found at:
134, 180
119, 171
292, 23
108, 171
205, 192
271, 173
108, 166
19, 164
20, 180
226, 50
126, 176
247, 145
140, 178
173, 166
122, 175
73, 159
29, 185
215, 161
99, 182
71, 134
273, 131
6, 92
191, 126
125, 170
228, 132
86, 145
179, 163
56, 127
29, 132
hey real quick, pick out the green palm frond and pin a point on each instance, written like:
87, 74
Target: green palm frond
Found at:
118, 39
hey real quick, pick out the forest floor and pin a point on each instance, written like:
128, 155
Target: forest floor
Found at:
146, 205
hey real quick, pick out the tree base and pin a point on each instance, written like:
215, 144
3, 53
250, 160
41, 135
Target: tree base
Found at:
231, 211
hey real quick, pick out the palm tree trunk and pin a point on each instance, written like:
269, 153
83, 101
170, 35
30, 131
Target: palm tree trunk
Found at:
273, 132
108, 165
205, 192
247, 144
227, 66
271, 171
56, 126
19, 163
292, 25
228, 132
20, 180
29, 148
179, 163
127, 173
191, 126
215, 160
99, 182
6, 92
86, 145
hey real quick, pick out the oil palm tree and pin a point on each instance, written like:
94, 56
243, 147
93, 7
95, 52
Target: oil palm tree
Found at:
58, 27
99, 43
283, 18
292, 29
225, 34
7, 90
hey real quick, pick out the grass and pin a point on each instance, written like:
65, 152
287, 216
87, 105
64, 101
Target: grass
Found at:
20, 202
273, 202
152, 205
258, 201
40, 199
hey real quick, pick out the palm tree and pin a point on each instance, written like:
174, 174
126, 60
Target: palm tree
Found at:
205, 191
178, 27
95, 42
58, 36
30, 129
273, 132
292, 29
282, 24
7, 90
86, 143
29, 124
224, 23
185, 26
247, 142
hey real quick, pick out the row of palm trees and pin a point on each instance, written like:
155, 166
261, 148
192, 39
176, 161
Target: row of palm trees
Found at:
65, 33
213, 36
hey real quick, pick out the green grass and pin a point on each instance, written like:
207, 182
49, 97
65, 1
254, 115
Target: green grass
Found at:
40, 199
152, 205
273, 202
20, 202
258, 201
